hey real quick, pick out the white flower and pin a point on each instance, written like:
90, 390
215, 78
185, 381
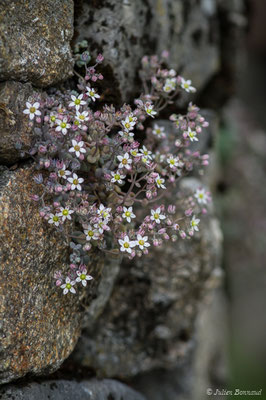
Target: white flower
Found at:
128, 124
68, 286
32, 109
128, 214
63, 126
157, 216
186, 85
63, 172
126, 134
65, 213
201, 196
75, 182
126, 244
104, 212
142, 242
135, 153
81, 117
194, 223
173, 161
54, 219
52, 118
149, 110
91, 93
77, 101
83, 277
101, 226
91, 234
117, 177
147, 153
158, 131
77, 148
192, 135
125, 161
170, 85
160, 182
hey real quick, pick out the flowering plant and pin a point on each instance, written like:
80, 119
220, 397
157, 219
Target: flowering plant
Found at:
101, 169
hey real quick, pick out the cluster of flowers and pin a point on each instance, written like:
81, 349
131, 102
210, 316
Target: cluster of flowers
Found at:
99, 169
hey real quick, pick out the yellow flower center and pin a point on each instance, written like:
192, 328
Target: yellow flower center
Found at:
82, 117
91, 93
159, 181
124, 161
53, 118
126, 245
127, 213
82, 277
117, 177
68, 286
62, 172
172, 162
141, 242
127, 125
63, 125
55, 218
90, 233
105, 214
76, 122
76, 148
134, 153
32, 110
75, 181
156, 216
194, 223
201, 195
65, 212
77, 102
186, 85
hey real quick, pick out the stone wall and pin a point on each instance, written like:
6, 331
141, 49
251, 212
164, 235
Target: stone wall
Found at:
139, 316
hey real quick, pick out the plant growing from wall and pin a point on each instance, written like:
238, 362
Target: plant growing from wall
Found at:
101, 169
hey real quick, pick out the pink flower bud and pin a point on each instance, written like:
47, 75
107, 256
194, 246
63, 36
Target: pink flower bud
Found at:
47, 163
188, 212
38, 120
94, 78
58, 188
155, 242
148, 194
56, 204
73, 266
171, 209
119, 209
81, 157
99, 58
87, 77
58, 282
205, 162
42, 213
166, 236
183, 234
87, 247
169, 222
46, 118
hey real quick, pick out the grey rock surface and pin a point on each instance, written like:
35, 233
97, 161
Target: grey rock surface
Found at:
126, 30
106, 389
16, 134
39, 325
35, 40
